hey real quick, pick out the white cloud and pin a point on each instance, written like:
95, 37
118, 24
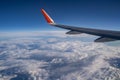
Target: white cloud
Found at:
40, 33
58, 58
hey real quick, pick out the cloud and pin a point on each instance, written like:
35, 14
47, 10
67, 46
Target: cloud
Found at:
57, 58
40, 33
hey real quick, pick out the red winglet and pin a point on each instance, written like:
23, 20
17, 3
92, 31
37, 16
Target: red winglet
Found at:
47, 17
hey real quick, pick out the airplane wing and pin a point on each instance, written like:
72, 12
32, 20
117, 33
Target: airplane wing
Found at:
105, 35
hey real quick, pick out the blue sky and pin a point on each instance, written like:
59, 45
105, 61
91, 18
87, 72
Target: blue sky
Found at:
25, 15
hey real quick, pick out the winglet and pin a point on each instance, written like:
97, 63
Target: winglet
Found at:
47, 17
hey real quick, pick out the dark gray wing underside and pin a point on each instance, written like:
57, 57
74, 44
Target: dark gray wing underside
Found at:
104, 39
105, 35
73, 32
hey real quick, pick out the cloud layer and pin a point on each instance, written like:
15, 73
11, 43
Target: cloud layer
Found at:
58, 58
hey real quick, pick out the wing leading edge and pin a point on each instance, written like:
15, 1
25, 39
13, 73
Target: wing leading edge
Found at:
105, 35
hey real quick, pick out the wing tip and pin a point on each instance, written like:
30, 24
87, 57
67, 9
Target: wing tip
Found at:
47, 17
